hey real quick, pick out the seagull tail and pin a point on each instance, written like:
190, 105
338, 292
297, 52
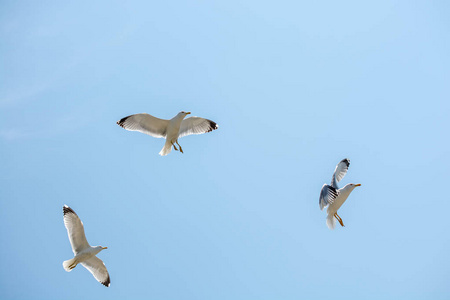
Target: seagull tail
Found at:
166, 149
331, 221
70, 264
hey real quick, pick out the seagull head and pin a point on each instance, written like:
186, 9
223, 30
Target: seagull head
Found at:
350, 186
182, 114
100, 248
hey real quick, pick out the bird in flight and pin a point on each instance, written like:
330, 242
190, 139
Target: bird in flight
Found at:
171, 130
84, 253
333, 197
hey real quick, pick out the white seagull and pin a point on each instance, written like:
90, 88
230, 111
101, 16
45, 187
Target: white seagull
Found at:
84, 253
171, 129
333, 196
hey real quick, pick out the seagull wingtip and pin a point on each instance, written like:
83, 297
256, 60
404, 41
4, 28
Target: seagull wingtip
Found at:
67, 210
213, 125
106, 283
121, 122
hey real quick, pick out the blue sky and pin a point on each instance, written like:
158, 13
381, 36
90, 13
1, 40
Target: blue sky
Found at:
294, 86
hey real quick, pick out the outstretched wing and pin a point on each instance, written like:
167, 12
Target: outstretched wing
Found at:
75, 230
145, 123
340, 171
327, 196
97, 268
196, 125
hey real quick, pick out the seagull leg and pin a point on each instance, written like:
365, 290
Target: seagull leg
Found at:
181, 149
174, 147
339, 219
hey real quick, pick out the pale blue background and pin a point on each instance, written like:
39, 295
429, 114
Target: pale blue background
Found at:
295, 88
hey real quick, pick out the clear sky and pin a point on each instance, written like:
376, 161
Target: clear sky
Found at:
295, 87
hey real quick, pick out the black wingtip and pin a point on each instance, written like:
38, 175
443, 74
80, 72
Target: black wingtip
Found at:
107, 282
212, 126
68, 210
329, 187
347, 161
121, 122
333, 190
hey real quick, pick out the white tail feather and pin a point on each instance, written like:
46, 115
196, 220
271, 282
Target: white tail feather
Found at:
166, 149
331, 221
68, 265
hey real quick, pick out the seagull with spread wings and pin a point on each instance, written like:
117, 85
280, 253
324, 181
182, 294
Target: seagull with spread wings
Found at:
333, 197
171, 130
84, 253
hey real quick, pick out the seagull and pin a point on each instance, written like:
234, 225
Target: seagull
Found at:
171, 129
84, 253
333, 196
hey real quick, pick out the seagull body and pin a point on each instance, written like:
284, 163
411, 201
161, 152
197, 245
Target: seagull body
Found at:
84, 253
333, 197
171, 130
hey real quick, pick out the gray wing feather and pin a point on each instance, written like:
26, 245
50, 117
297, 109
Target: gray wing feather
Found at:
145, 123
327, 196
97, 268
75, 230
339, 172
196, 125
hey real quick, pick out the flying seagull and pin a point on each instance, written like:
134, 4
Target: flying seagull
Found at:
171, 129
84, 253
333, 196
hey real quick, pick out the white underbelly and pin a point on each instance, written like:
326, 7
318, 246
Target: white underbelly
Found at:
82, 256
173, 130
333, 208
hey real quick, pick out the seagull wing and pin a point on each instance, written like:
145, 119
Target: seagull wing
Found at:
340, 171
145, 123
327, 196
97, 268
75, 230
196, 125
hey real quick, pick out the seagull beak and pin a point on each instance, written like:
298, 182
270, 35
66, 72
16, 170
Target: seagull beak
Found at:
103, 248
359, 184
188, 113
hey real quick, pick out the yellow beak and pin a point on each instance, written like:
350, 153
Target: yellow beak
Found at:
358, 184
188, 113
104, 248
